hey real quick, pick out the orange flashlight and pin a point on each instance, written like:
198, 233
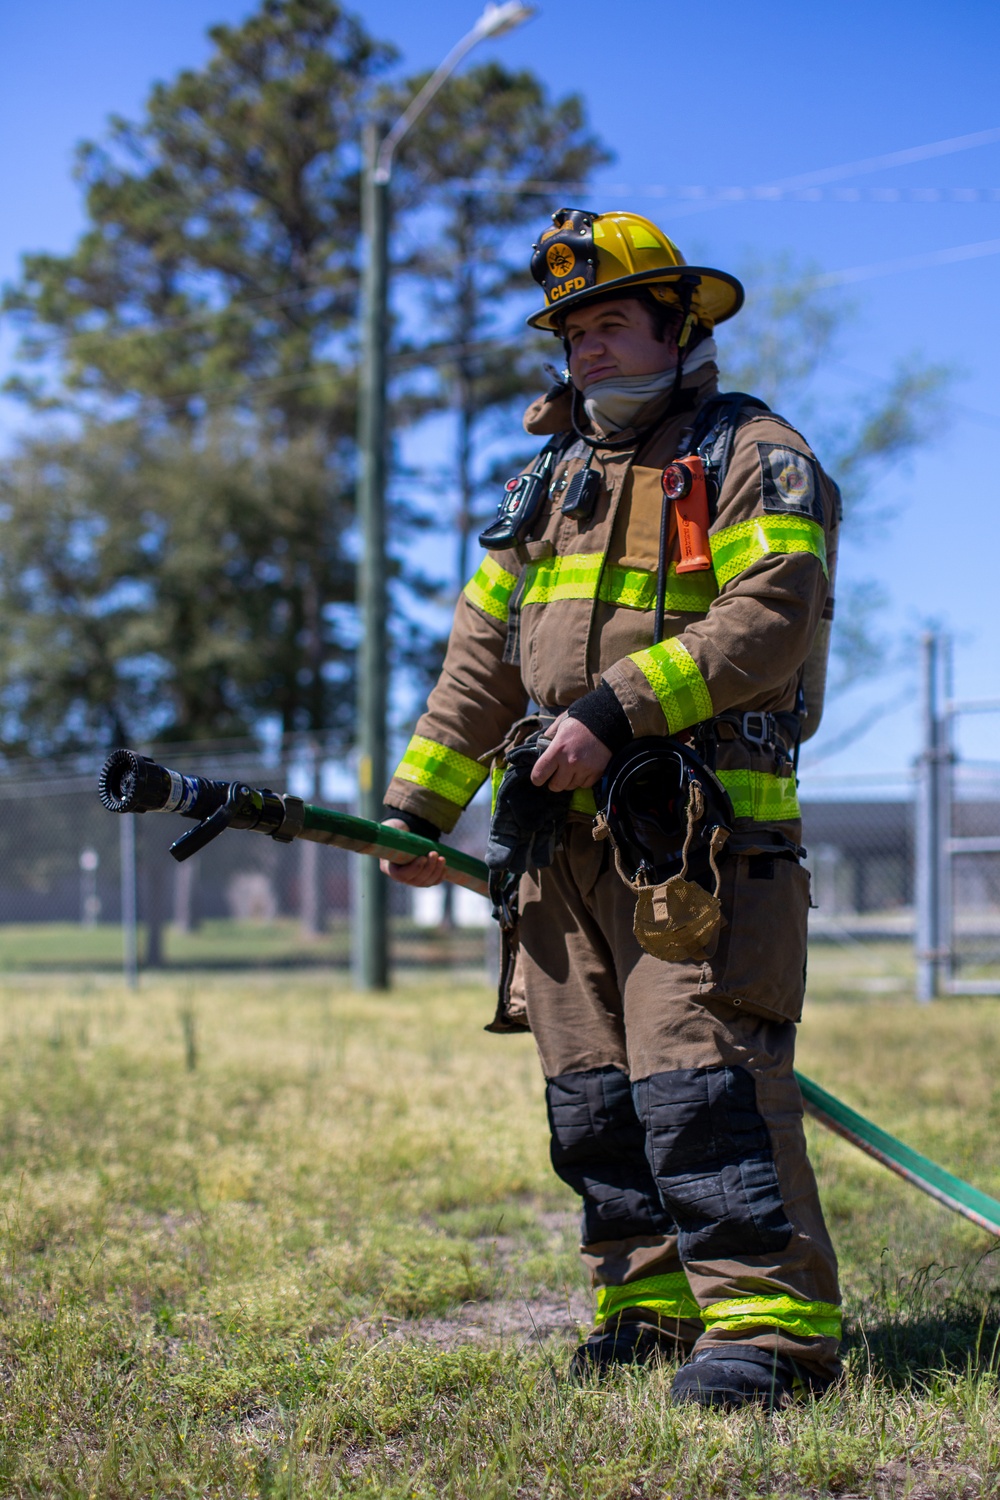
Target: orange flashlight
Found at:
684, 485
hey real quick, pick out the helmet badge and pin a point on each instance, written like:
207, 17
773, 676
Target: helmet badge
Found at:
560, 259
565, 259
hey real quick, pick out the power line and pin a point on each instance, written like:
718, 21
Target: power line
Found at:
712, 197
815, 179
908, 263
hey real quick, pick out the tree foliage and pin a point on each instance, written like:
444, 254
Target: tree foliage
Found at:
150, 589
176, 535
176, 551
787, 336
490, 125
219, 265
789, 333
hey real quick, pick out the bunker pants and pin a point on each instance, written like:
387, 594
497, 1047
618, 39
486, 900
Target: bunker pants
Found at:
673, 1107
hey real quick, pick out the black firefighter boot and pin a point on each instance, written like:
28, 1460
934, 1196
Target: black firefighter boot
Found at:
622, 1341
734, 1375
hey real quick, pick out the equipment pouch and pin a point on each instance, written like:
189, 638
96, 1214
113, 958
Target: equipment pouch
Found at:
677, 920
760, 963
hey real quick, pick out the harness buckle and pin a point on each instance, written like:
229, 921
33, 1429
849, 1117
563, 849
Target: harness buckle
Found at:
756, 728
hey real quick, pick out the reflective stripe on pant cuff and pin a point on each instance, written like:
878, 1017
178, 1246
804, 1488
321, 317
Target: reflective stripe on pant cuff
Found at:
669, 1296
808, 1320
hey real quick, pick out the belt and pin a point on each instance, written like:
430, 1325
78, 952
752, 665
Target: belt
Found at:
774, 731
764, 729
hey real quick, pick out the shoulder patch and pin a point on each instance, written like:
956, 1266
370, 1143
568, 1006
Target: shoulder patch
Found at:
788, 482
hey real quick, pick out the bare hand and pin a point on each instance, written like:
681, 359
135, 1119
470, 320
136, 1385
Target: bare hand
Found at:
575, 757
412, 869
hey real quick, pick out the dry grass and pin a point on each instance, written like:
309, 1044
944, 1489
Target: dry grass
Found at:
330, 1258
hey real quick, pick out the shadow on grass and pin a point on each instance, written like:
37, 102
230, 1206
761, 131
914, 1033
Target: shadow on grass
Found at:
939, 1318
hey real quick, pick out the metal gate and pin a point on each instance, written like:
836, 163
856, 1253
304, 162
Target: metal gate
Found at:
940, 847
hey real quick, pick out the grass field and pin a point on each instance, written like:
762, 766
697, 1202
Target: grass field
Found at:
266, 1237
69, 948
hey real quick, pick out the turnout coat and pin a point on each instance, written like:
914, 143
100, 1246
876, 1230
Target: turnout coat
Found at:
572, 606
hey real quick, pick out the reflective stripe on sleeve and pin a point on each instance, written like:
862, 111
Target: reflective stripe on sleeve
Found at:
675, 678
761, 795
669, 1295
454, 776
583, 575
736, 548
809, 1320
490, 588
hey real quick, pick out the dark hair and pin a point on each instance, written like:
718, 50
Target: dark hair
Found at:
664, 317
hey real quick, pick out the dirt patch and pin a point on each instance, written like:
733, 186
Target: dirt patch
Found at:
519, 1321
525, 1320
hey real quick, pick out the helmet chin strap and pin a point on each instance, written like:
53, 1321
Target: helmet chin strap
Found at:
685, 296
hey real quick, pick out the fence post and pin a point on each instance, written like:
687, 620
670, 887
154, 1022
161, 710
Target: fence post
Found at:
130, 934
944, 776
933, 814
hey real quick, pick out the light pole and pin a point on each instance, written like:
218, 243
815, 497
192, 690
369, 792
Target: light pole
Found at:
370, 927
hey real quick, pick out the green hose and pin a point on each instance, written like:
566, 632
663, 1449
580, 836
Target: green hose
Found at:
901, 1159
139, 784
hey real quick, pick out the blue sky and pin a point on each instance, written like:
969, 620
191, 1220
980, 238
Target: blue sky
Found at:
721, 96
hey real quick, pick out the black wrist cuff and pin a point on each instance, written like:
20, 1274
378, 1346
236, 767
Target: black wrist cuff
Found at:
426, 829
603, 715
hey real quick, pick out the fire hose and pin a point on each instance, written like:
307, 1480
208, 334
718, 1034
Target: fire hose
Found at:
132, 783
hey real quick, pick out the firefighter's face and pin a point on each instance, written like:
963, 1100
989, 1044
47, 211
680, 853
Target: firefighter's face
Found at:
607, 339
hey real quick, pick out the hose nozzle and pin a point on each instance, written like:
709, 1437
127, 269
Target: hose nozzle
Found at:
132, 783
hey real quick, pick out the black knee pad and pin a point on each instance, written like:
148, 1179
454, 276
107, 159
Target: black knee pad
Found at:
598, 1147
711, 1156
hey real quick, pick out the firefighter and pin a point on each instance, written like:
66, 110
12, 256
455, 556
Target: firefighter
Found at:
672, 1103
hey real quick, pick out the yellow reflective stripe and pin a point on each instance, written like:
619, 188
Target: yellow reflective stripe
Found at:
736, 548
673, 674
761, 795
810, 1320
490, 588
454, 776
690, 593
669, 1295
582, 575
553, 578
632, 588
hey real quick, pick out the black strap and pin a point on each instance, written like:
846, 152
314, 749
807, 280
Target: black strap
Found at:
711, 436
714, 433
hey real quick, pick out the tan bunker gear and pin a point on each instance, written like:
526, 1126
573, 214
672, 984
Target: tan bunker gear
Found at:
673, 1108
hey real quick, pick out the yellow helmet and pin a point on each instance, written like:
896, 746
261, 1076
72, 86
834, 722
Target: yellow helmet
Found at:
585, 255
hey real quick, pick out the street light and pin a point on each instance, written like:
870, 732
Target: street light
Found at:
371, 958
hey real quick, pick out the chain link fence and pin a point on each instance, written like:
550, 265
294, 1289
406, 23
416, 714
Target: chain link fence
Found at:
243, 901
246, 901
